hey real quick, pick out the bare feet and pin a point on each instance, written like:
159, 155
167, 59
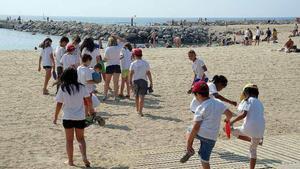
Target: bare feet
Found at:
45, 92
87, 163
70, 163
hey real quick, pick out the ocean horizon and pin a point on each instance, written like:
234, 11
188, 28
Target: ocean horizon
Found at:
138, 20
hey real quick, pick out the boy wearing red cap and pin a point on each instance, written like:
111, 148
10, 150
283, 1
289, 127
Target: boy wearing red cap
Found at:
139, 75
206, 125
69, 59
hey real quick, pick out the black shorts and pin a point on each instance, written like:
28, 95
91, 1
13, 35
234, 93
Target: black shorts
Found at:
78, 124
140, 87
113, 69
47, 67
257, 37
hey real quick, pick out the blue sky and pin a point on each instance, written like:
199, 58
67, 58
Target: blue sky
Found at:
152, 8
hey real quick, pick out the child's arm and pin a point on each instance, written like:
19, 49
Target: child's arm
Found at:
130, 77
204, 69
90, 82
192, 135
239, 117
57, 110
228, 115
52, 59
149, 75
88, 102
40, 62
218, 96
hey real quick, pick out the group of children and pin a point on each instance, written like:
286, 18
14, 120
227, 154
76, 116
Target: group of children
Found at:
249, 37
78, 70
208, 106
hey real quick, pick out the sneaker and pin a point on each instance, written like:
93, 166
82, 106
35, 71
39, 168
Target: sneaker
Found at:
186, 157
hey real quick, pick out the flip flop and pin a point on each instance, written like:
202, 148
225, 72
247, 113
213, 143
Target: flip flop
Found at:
186, 157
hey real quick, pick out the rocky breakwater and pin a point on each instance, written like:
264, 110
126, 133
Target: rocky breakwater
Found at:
134, 34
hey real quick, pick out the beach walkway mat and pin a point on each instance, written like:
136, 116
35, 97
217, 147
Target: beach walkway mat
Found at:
227, 154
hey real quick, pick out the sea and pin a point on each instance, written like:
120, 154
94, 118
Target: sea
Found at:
15, 40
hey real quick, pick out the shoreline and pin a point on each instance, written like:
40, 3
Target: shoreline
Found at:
190, 33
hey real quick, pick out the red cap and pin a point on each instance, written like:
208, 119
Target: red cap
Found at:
200, 87
137, 52
70, 47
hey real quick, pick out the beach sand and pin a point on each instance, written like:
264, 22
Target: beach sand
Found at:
28, 138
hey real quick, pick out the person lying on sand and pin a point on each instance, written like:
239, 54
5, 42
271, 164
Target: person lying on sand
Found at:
288, 46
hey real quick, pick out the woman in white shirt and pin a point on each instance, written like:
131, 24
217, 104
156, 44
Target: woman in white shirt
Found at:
113, 69
88, 47
47, 59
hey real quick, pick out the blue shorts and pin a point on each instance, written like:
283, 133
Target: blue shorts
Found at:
206, 147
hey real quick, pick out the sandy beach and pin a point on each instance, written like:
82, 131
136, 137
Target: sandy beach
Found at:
28, 138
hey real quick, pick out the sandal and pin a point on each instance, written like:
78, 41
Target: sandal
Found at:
186, 157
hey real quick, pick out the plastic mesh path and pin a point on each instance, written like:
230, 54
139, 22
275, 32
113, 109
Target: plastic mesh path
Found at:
227, 154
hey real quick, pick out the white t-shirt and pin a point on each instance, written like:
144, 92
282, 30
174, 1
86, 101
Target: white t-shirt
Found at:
85, 74
126, 59
94, 54
140, 68
194, 104
254, 123
73, 107
59, 52
198, 68
247, 34
209, 113
112, 54
77, 51
46, 56
258, 32
68, 60
212, 89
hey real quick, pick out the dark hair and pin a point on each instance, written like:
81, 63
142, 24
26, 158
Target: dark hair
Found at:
250, 91
128, 46
64, 39
45, 43
89, 44
98, 66
69, 81
86, 57
220, 79
203, 94
76, 39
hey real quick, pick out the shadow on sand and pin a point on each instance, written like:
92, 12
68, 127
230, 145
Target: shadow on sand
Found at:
154, 117
232, 157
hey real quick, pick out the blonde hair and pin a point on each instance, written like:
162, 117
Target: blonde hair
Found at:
112, 41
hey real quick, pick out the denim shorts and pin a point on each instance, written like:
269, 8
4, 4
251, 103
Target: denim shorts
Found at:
206, 147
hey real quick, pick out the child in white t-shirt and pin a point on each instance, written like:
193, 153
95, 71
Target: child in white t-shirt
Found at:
69, 59
70, 98
59, 52
252, 130
126, 59
206, 125
47, 59
85, 77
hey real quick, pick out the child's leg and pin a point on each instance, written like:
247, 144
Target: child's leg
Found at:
69, 144
253, 151
141, 103
122, 87
205, 165
47, 78
92, 110
82, 144
137, 98
127, 85
116, 77
107, 81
